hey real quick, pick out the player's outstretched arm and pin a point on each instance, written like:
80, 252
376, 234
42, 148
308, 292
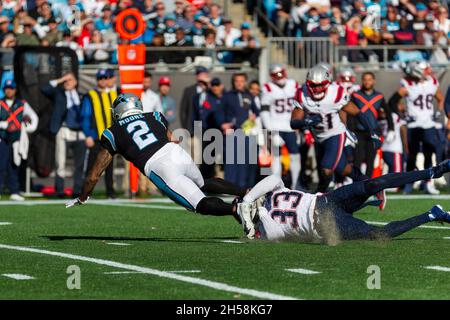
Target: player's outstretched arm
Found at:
103, 160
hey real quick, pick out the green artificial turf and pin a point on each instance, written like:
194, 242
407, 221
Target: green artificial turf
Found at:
170, 239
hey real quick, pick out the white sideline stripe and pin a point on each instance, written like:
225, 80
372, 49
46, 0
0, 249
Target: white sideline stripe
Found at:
17, 276
144, 206
231, 241
118, 244
419, 197
447, 238
134, 272
109, 201
185, 271
438, 268
303, 271
5, 223
155, 272
424, 227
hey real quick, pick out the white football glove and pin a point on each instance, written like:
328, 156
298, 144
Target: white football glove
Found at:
75, 202
390, 136
247, 212
4, 125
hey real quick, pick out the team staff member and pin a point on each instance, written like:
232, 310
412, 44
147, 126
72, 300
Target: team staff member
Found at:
150, 99
205, 107
12, 112
96, 117
369, 101
238, 106
65, 124
187, 103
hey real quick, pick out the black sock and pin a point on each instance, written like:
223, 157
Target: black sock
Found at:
220, 186
214, 206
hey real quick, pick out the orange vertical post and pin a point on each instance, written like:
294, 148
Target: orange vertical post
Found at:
131, 57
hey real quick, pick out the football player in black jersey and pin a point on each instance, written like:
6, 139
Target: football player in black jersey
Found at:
145, 140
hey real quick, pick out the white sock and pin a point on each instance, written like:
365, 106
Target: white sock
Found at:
295, 168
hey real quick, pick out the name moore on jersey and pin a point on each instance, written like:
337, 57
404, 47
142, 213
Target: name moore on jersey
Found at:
280, 101
137, 137
328, 109
419, 101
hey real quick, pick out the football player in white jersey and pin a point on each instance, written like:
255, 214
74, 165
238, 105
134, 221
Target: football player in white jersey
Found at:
271, 211
347, 79
276, 107
394, 149
420, 88
320, 106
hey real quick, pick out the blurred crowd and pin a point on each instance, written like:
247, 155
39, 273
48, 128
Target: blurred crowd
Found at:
365, 22
88, 27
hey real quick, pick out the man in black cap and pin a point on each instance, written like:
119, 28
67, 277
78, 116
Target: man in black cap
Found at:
53, 35
187, 100
324, 28
206, 105
96, 117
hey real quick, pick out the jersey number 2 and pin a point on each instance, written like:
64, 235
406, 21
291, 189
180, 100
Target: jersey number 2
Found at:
141, 133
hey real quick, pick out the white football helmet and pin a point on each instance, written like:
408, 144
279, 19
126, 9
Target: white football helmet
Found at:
417, 69
318, 80
346, 78
328, 67
278, 74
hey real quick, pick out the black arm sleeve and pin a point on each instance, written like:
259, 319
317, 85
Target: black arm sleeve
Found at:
388, 112
393, 102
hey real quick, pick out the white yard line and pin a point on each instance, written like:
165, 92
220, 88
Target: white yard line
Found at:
303, 271
118, 244
423, 227
5, 223
163, 274
134, 272
438, 268
446, 238
230, 241
17, 276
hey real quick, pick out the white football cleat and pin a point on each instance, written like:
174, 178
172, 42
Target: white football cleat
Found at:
431, 189
247, 212
16, 197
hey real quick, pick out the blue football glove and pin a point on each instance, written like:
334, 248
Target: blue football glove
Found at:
313, 120
376, 141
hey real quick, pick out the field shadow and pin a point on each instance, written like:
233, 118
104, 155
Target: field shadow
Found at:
122, 238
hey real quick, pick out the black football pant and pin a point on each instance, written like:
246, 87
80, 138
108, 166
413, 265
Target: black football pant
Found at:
365, 152
342, 202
